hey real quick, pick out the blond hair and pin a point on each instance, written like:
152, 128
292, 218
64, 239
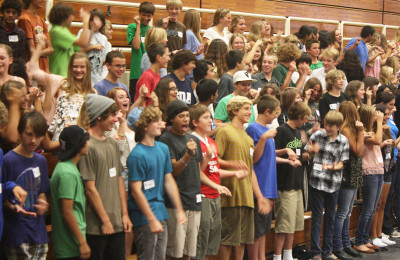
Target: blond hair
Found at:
154, 35
173, 3
255, 31
332, 76
149, 115
3, 115
288, 52
330, 53
333, 117
235, 104
385, 75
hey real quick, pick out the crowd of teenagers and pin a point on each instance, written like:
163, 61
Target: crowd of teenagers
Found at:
215, 136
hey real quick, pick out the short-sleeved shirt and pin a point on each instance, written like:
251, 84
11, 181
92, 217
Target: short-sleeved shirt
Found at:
148, 164
63, 44
221, 114
330, 152
97, 57
361, 50
31, 174
211, 34
66, 183
103, 165
192, 43
33, 25
329, 102
317, 65
280, 72
150, 79
176, 33
234, 144
225, 86
262, 81
104, 86
136, 54
189, 179
321, 75
145, 65
185, 90
212, 168
265, 167
15, 38
289, 178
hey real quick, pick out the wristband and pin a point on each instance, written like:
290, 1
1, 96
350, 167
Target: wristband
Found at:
183, 162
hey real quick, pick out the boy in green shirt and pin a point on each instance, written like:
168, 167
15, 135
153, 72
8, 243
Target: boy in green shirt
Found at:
68, 197
136, 33
63, 41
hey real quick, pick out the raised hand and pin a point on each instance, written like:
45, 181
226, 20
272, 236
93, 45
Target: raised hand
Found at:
191, 147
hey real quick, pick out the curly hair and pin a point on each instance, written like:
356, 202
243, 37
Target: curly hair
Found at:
288, 52
235, 104
216, 53
332, 76
351, 66
310, 84
149, 115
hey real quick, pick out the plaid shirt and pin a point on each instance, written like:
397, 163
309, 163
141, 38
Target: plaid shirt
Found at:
329, 152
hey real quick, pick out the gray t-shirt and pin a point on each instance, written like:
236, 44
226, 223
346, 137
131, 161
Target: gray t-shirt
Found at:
225, 87
103, 165
189, 179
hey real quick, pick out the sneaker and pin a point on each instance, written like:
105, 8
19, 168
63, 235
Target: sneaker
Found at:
385, 239
395, 234
378, 242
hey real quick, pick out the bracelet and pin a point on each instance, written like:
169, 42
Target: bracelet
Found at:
183, 162
121, 135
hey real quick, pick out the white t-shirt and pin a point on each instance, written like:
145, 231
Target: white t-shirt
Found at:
321, 74
211, 34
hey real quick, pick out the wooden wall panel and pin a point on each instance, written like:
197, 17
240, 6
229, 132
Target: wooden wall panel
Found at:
392, 6
362, 4
391, 19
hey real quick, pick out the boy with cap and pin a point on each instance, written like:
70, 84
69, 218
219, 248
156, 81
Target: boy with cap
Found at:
150, 176
242, 82
106, 212
68, 197
185, 152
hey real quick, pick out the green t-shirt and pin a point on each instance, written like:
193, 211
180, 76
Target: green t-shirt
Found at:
315, 66
136, 54
221, 114
280, 73
66, 183
63, 43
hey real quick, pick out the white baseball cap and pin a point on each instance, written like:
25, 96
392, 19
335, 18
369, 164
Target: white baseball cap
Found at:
242, 75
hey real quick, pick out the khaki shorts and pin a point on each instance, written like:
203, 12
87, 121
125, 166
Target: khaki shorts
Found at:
237, 226
182, 239
289, 212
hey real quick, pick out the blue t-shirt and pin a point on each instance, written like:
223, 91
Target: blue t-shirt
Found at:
31, 174
149, 164
265, 167
394, 130
192, 43
104, 85
185, 91
361, 50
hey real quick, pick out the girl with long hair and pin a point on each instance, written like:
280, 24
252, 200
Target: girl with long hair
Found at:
216, 53
166, 92
351, 66
192, 22
352, 179
356, 92
222, 19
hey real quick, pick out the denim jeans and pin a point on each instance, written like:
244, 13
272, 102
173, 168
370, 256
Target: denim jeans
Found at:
318, 199
341, 236
151, 246
371, 190
387, 226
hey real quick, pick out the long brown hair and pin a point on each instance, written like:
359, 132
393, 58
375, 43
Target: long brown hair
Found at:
350, 116
162, 92
216, 53
192, 21
366, 113
72, 88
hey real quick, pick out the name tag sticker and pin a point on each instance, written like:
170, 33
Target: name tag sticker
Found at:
73, 114
388, 156
149, 184
13, 38
251, 151
198, 198
333, 106
380, 159
112, 172
142, 39
1, 188
180, 34
317, 112
317, 166
298, 152
36, 172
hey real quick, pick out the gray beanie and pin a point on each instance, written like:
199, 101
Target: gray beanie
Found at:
96, 105
175, 107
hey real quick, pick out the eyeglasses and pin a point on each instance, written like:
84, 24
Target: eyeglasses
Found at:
173, 89
119, 66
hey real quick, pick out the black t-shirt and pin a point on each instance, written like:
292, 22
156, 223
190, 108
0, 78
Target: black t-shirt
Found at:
329, 102
189, 180
289, 178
